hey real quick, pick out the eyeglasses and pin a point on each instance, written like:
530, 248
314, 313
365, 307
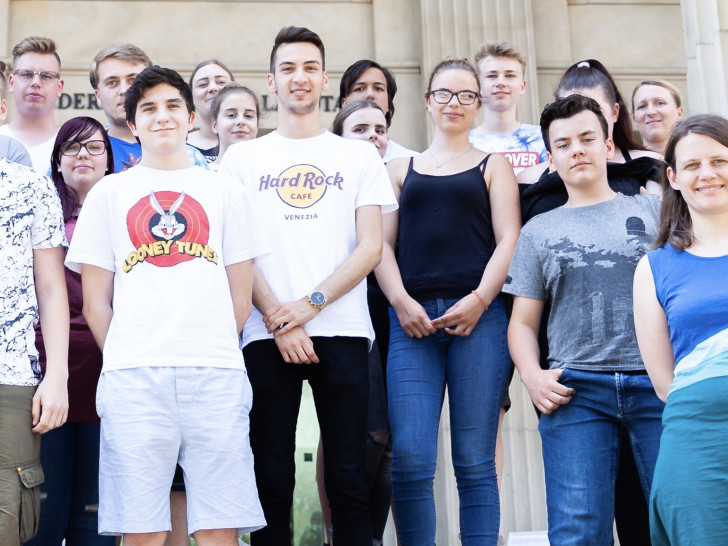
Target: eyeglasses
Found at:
444, 96
93, 147
46, 76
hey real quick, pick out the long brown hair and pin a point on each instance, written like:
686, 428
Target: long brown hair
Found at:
676, 224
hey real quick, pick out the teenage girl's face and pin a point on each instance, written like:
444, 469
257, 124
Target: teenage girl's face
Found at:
701, 174
610, 111
206, 84
453, 115
367, 124
237, 119
371, 86
83, 170
655, 113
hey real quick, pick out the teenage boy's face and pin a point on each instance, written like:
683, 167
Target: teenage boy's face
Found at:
579, 151
114, 79
501, 83
299, 77
371, 86
36, 97
162, 120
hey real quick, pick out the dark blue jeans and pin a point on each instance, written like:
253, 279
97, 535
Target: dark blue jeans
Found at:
340, 387
70, 495
581, 444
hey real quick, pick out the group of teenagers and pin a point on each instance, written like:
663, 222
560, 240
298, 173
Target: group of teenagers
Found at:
506, 243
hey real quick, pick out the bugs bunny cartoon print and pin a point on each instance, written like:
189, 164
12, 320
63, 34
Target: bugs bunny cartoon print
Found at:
168, 227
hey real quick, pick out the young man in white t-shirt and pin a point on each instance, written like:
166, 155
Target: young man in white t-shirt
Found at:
501, 68
167, 250
35, 84
321, 198
111, 74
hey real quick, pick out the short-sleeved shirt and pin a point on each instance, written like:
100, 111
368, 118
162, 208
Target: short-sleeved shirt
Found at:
524, 147
167, 235
583, 259
31, 218
307, 191
13, 150
40, 154
395, 150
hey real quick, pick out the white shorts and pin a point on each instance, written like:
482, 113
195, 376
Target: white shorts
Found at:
154, 417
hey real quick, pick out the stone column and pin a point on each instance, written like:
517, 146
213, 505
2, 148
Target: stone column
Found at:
5, 47
456, 28
705, 24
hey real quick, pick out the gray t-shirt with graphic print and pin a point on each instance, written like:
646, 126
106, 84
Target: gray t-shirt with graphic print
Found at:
583, 260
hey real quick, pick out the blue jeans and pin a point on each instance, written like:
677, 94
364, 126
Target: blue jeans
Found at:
475, 370
70, 494
581, 442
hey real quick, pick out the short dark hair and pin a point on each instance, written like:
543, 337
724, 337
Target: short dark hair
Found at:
353, 73
292, 35
566, 108
676, 224
152, 77
338, 126
77, 129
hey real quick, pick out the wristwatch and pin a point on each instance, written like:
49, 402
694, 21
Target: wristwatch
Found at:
317, 299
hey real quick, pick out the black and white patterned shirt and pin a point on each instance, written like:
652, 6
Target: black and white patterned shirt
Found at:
30, 218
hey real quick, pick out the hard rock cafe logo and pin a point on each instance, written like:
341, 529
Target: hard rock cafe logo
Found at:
301, 186
168, 228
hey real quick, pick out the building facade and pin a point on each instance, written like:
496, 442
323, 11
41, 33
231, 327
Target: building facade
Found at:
683, 42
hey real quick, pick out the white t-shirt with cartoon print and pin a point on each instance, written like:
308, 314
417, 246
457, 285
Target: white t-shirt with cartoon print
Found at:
306, 192
167, 236
31, 218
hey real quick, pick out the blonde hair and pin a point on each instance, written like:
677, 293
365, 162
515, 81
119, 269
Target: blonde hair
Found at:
124, 52
36, 44
499, 49
674, 91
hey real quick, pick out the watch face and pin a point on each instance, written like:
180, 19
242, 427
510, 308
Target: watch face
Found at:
317, 298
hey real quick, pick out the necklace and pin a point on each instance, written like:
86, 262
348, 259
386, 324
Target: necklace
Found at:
439, 164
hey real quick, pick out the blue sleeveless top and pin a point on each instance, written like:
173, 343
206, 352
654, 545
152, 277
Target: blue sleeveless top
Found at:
693, 291
445, 233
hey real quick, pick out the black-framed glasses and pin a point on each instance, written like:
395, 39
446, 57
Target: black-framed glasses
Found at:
93, 147
46, 76
444, 96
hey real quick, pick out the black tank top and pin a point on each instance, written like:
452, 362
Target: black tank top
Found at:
445, 233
